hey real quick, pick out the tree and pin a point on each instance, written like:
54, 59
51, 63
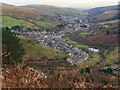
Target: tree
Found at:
107, 32
109, 70
11, 48
87, 70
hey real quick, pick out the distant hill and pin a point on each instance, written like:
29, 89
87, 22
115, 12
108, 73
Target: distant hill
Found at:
53, 10
101, 14
34, 16
36, 10
99, 10
16, 11
25, 16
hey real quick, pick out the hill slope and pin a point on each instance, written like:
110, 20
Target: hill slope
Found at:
16, 11
99, 10
101, 14
34, 50
8, 21
52, 10
25, 16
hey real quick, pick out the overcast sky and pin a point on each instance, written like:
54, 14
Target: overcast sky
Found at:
65, 3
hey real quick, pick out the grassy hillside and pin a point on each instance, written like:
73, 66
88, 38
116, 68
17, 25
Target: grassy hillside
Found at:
112, 57
43, 22
109, 22
101, 14
8, 21
92, 61
53, 10
106, 16
29, 11
34, 16
25, 16
17, 11
34, 50
33, 23
98, 10
79, 45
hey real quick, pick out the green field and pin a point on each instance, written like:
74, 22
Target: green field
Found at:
9, 21
85, 33
109, 22
31, 23
34, 50
76, 44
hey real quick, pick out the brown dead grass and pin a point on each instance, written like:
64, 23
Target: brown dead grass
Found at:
19, 77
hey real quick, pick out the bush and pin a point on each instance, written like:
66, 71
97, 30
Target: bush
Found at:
85, 70
108, 70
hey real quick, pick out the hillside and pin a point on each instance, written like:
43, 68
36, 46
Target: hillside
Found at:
9, 21
37, 10
26, 16
53, 10
38, 51
98, 10
101, 14
16, 11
